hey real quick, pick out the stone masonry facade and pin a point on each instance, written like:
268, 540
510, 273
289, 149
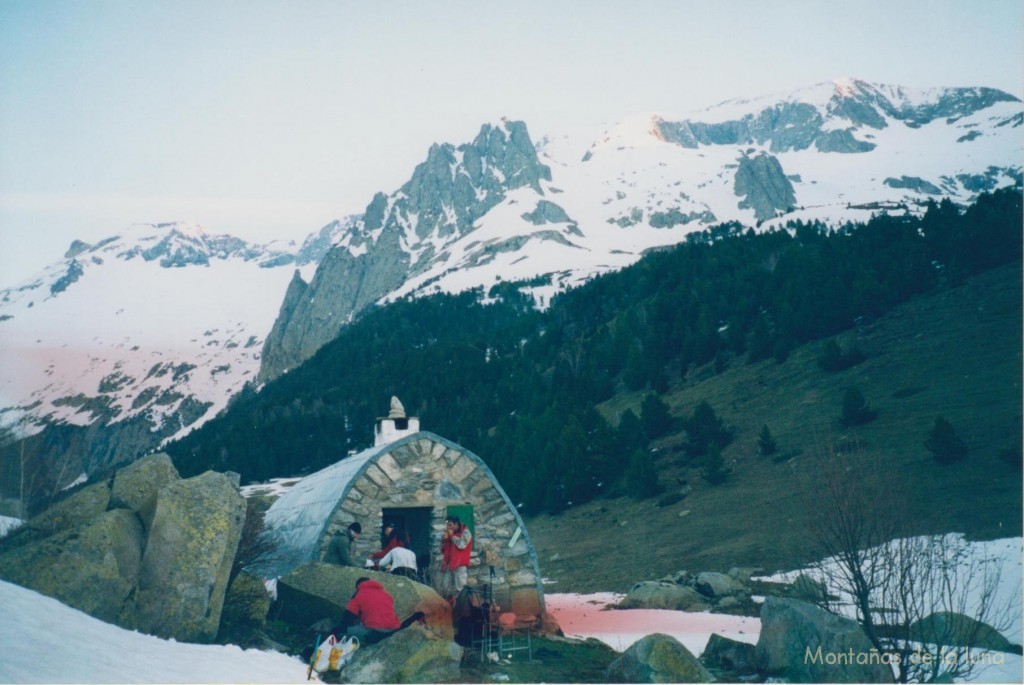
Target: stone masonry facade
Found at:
428, 473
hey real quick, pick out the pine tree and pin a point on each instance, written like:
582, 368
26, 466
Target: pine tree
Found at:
714, 469
943, 442
630, 434
655, 416
855, 409
704, 429
765, 442
641, 478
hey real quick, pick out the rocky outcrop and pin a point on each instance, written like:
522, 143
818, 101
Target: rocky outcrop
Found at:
663, 595
808, 589
658, 658
413, 655
711, 584
137, 485
918, 185
763, 185
318, 591
682, 591
150, 552
547, 212
93, 567
804, 644
189, 552
399, 236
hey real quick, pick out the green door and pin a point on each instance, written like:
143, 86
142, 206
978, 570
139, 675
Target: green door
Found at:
465, 514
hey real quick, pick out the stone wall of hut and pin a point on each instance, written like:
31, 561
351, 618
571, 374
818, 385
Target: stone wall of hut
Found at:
428, 473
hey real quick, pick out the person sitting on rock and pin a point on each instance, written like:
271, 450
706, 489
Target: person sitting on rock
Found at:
370, 614
339, 550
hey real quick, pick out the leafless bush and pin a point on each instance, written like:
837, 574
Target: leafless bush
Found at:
922, 600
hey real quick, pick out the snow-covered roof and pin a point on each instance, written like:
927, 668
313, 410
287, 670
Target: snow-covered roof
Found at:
298, 520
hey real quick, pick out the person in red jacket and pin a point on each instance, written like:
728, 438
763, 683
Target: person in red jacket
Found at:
456, 548
370, 614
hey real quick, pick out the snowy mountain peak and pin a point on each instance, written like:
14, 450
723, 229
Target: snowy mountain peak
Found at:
636, 131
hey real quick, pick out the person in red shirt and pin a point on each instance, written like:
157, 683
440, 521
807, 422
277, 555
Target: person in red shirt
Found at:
456, 548
393, 537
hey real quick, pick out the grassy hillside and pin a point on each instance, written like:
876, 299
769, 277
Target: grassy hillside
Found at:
955, 353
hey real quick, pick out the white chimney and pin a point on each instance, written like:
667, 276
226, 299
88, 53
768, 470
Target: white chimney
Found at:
395, 425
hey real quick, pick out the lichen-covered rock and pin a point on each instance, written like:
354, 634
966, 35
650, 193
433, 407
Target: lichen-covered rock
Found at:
93, 568
78, 509
658, 658
663, 595
136, 486
413, 655
191, 547
805, 644
317, 591
246, 605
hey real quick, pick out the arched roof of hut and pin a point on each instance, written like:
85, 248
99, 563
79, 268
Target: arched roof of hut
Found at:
298, 520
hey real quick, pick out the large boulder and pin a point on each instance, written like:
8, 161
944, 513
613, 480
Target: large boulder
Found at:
733, 656
805, 644
93, 568
189, 553
663, 595
657, 658
947, 628
712, 584
136, 486
318, 591
413, 655
78, 509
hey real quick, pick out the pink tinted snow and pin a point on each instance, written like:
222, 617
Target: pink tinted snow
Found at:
588, 616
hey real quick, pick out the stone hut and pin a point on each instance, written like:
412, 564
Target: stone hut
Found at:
416, 479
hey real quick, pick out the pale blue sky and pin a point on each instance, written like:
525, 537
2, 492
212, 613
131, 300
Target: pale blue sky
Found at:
268, 119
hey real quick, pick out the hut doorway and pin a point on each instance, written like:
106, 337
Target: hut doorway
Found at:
416, 523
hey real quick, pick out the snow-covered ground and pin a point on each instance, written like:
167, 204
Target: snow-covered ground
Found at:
45, 641
976, 561
7, 524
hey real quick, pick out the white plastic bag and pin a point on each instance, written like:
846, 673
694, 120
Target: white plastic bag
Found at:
322, 658
342, 652
334, 654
